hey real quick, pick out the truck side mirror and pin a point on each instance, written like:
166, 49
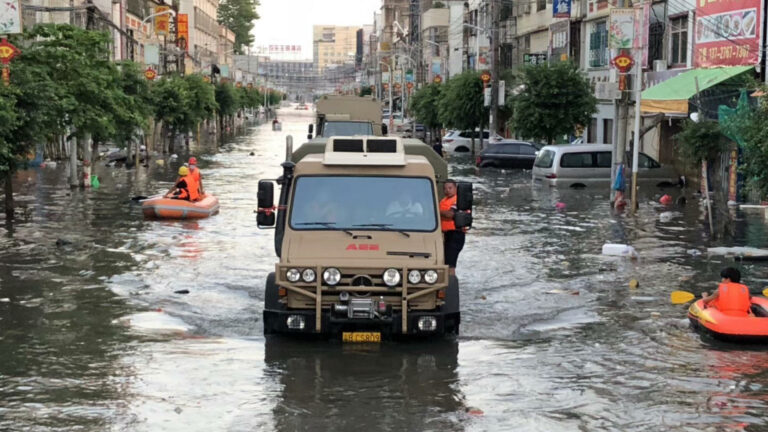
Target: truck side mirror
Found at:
266, 202
384, 130
462, 219
464, 196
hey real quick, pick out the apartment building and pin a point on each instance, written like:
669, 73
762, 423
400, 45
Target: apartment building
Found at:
333, 45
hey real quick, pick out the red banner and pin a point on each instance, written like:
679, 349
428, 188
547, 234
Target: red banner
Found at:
182, 32
728, 32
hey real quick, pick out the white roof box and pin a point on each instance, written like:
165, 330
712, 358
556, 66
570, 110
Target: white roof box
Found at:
368, 150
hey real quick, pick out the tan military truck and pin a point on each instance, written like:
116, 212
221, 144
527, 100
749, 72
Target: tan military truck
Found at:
359, 241
342, 115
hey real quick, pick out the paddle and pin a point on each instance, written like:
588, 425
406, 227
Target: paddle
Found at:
144, 198
680, 297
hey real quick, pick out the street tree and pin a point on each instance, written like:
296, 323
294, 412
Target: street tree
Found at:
133, 104
461, 106
554, 100
228, 102
425, 103
238, 16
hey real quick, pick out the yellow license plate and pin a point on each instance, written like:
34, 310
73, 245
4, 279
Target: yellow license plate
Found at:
361, 337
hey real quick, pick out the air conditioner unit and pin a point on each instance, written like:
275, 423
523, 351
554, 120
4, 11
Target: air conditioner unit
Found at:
659, 65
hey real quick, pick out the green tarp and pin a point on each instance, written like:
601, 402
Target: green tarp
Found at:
671, 96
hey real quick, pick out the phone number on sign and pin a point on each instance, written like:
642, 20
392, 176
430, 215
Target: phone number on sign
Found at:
723, 53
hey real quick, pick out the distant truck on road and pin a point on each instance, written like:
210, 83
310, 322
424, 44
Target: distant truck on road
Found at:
339, 115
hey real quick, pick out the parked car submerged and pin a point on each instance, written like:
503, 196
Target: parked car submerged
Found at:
461, 141
582, 165
508, 154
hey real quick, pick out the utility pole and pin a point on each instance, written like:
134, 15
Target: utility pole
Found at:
494, 36
621, 108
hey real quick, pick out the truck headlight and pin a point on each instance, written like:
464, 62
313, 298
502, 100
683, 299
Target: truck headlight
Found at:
414, 277
430, 277
308, 275
427, 323
292, 275
391, 277
331, 276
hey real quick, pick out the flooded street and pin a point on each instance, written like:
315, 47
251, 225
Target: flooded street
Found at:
93, 335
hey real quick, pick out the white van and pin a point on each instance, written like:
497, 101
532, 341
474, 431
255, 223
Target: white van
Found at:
583, 165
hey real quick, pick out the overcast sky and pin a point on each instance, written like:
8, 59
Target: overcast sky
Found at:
289, 22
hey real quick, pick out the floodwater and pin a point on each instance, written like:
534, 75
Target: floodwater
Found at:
93, 336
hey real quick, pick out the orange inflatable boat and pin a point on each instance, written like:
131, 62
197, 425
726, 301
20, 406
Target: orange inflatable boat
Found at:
166, 208
710, 321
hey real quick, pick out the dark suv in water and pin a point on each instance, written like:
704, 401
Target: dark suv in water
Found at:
508, 154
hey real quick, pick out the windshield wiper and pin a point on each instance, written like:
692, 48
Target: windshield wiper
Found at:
384, 227
329, 225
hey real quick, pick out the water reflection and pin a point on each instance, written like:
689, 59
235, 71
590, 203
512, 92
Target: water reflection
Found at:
353, 387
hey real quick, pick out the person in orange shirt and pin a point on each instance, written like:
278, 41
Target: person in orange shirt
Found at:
731, 297
185, 187
195, 172
453, 239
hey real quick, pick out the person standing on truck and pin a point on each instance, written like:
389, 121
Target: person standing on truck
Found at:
453, 239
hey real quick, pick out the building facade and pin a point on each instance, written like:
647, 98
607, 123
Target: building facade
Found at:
333, 45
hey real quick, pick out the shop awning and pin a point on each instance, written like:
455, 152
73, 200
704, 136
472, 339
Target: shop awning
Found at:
671, 96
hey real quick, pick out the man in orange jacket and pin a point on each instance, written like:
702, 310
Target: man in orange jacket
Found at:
453, 239
731, 297
195, 172
185, 187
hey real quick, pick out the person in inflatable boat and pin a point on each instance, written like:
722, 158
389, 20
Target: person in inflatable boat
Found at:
732, 297
185, 187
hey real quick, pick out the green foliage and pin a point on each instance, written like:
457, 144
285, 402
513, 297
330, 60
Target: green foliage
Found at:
425, 103
78, 63
238, 16
462, 104
555, 99
755, 156
438, 5
227, 98
700, 141
274, 97
183, 102
8, 121
202, 96
132, 102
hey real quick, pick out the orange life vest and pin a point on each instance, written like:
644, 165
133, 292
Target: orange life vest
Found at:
445, 205
196, 174
190, 192
733, 299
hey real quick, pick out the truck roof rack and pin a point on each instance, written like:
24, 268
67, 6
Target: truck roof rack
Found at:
368, 150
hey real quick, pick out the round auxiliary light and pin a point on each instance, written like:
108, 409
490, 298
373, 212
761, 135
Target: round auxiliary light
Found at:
391, 277
331, 276
308, 275
414, 277
430, 277
292, 275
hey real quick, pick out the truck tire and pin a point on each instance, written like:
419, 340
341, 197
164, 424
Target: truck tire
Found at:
271, 304
451, 308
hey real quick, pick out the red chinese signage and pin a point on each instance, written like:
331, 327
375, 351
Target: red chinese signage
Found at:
182, 32
728, 32
623, 63
150, 74
7, 51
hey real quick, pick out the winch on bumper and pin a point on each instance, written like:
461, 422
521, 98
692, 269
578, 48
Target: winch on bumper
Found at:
338, 309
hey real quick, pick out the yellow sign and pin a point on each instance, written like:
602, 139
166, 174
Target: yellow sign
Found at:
162, 22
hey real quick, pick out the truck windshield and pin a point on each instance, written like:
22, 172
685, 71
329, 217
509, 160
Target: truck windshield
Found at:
363, 203
342, 128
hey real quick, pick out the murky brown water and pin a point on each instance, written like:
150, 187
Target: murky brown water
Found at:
609, 358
